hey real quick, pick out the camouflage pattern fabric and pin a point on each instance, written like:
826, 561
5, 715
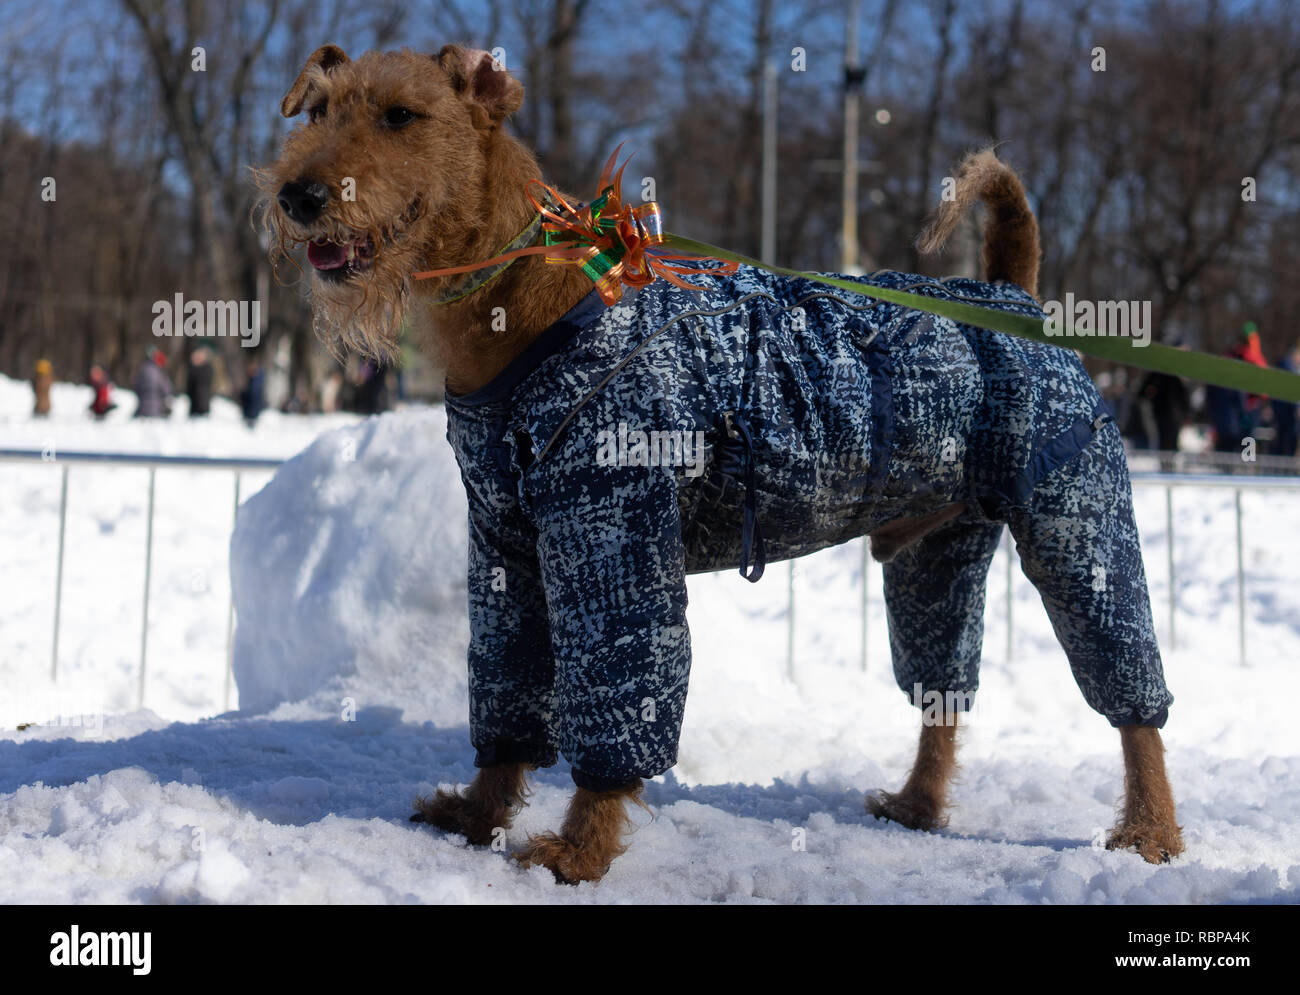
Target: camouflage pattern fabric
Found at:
761, 419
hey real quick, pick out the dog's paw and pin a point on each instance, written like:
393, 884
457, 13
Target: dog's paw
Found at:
1155, 844
567, 861
908, 811
452, 812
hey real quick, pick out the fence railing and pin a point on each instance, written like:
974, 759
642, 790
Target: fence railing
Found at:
1233, 463
66, 460
1237, 482
1170, 482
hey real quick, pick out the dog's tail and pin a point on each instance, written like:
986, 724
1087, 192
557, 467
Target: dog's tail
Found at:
1011, 247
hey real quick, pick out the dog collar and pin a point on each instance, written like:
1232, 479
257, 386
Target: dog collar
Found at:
477, 280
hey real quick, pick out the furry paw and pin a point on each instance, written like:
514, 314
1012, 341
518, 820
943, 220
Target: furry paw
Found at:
455, 813
1155, 844
567, 861
914, 812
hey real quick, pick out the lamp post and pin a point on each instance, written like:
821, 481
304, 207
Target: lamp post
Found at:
853, 74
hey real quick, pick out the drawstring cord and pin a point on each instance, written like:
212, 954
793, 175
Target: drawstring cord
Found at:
751, 534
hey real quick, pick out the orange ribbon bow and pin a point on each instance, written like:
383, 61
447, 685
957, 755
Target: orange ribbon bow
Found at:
611, 241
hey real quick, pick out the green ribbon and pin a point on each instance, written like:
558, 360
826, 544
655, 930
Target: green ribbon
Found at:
1220, 370
598, 265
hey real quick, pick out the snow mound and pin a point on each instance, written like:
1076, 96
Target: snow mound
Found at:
348, 572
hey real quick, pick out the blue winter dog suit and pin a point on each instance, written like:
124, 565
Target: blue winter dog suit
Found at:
761, 419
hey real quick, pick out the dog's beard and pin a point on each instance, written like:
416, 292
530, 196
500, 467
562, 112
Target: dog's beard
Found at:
365, 311
365, 314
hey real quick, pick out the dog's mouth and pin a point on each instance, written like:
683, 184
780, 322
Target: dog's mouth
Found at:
342, 259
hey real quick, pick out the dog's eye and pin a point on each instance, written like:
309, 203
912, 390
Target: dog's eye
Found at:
317, 112
399, 117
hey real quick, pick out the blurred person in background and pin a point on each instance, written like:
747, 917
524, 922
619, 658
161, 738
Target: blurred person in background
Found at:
1226, 411
42, 381
252, 399
298, 404
198, 384
1284, 412
1249, 350
152, 387
102, 401
330, 391
372, 389
1234, 413
1167, 395
1113, 385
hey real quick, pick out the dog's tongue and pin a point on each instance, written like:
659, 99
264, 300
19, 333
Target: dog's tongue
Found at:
327, 255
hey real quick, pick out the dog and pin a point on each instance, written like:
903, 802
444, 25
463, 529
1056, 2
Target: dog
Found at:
824, 417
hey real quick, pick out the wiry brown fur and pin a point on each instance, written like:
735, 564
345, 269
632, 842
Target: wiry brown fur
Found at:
923, 802
893, 537
589, 840
449, 190
489, 804
1148, 822
1011, 249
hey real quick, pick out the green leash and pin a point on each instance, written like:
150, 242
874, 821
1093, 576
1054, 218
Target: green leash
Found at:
1219, 370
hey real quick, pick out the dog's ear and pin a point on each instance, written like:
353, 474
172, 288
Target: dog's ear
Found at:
476, 76
324, 58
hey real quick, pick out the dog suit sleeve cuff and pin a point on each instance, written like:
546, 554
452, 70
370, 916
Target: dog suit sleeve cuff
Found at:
594, 783
1156, 721
505, 751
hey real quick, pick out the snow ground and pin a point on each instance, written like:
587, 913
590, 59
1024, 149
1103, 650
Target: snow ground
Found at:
350, 663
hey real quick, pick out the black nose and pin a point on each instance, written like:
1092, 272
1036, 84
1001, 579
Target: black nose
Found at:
303, 200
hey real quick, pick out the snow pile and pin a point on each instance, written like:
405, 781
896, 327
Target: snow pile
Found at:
348, 572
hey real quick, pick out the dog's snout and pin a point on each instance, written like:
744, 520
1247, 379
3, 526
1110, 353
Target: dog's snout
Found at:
303, 200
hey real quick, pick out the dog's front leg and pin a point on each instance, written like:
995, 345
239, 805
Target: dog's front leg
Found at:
589, 840
487, 805
923, 802
1149, 823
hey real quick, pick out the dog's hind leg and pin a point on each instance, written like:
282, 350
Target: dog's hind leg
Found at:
487, 805
591, 837
923, 802
934, 597
1079, 545
1148, 824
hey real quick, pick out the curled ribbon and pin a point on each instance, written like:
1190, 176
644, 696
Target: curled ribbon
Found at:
611, 241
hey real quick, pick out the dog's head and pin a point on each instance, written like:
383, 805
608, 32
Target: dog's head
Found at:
385, 177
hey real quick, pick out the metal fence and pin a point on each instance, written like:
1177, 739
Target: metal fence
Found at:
1238, 482
68, 459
